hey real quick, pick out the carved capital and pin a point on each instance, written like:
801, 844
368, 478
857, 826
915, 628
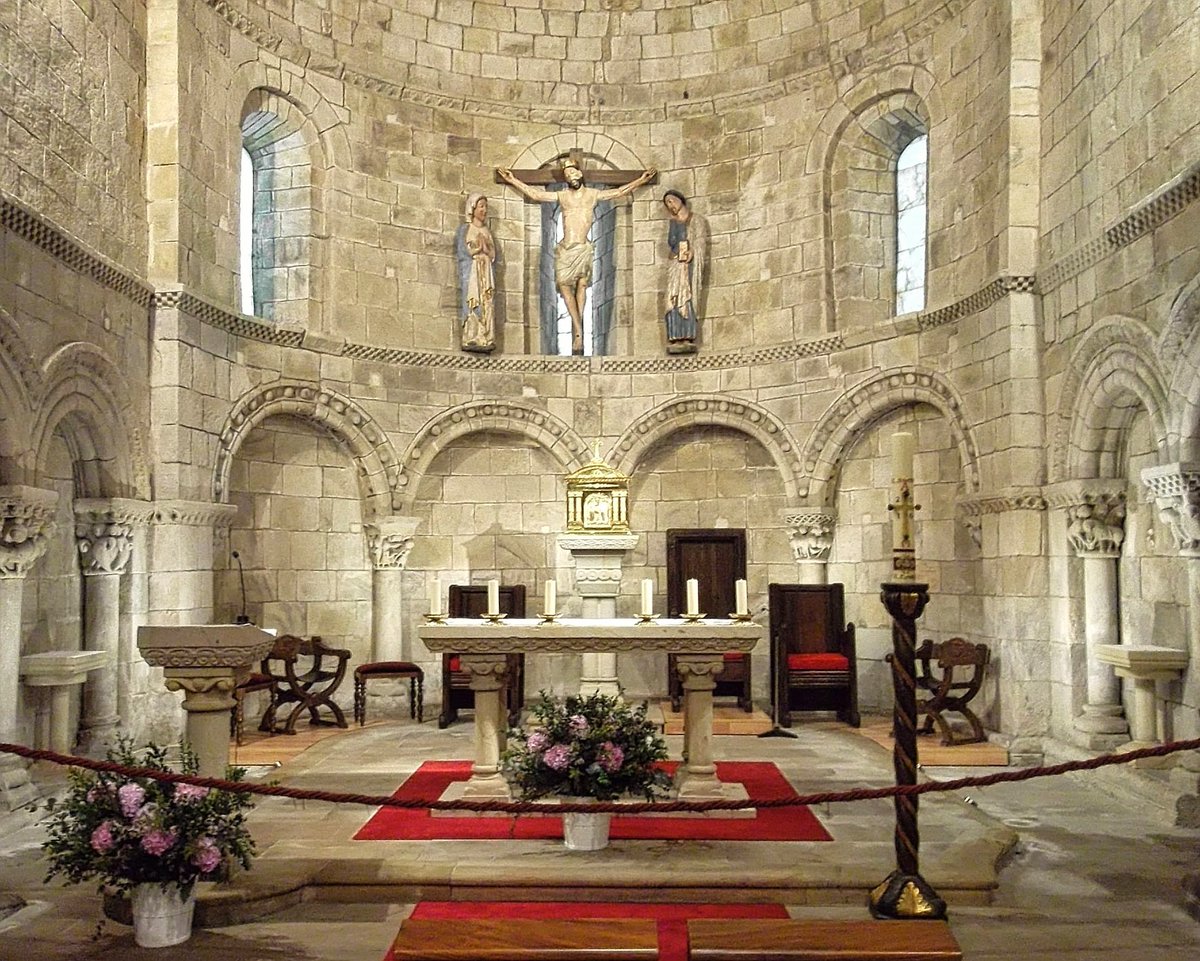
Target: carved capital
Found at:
390, 541
204, 693
104, 532
810, 532
1176, 492
1095, 515
26, 522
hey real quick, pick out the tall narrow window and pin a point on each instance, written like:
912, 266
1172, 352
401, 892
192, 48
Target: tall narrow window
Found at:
246, 233
912, 169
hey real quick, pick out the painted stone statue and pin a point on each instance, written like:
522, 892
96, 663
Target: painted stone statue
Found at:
476, 253
687, 238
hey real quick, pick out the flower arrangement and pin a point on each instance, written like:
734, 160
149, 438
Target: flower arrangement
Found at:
594, 746
129, 831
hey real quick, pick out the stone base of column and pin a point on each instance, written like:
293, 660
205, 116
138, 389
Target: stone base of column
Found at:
599, 685
16, 789
1103, 726
97, 736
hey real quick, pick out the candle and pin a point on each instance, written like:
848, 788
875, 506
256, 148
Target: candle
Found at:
693, 596
493, 597
551, 606
435, 599
903, 447
741, 606
647, 597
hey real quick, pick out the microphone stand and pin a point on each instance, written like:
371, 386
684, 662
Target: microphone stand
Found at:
242, 618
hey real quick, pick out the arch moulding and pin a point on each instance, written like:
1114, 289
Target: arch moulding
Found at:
710, 410
367, 444
853, 414
546, 430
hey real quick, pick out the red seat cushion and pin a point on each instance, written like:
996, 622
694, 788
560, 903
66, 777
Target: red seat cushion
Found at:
818, 662
734, 655
455, 664
389, 667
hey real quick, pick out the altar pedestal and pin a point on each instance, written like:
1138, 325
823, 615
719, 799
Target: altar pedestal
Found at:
1145, 665
700, 648
60, 671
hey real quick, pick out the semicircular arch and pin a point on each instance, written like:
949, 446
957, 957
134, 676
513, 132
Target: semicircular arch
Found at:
366, 442
710, 410
864, 405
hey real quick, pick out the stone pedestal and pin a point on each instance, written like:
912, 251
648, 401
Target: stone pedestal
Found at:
60, 671
206, 662
390, 541
1145, 665
598, 562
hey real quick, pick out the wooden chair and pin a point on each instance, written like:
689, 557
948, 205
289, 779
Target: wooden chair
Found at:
254, 684
470, 600
962, 666
301, 674
391, 670
813, 662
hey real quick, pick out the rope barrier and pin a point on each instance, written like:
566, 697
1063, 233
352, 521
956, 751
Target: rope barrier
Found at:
636, 807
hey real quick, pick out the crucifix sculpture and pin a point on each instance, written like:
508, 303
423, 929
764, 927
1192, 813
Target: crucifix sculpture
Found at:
574, 254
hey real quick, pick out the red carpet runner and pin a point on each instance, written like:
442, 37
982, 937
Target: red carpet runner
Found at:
761, 779
672, 918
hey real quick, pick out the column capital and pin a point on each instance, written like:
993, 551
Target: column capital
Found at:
810, 530
1176, 492
26, 522
390, 540
1095, 515
104, 532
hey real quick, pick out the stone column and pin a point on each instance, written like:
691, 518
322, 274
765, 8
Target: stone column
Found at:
389, 540
104, 533
1095, 532
598, 561
811, 533
487, 681
26, 520
205, 662
697, 777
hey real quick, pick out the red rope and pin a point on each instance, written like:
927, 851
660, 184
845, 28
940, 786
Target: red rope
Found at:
639, 807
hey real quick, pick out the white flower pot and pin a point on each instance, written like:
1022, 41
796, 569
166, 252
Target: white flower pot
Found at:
161, 917
585, 832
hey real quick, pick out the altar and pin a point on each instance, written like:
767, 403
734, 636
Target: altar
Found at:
700, 646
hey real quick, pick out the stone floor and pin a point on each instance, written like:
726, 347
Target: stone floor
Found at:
1045, 869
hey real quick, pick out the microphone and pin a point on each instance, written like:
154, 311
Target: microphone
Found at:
242, 618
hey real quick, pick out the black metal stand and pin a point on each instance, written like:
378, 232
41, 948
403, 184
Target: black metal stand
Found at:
904, 894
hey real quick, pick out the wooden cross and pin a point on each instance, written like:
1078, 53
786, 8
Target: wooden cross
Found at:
544, 176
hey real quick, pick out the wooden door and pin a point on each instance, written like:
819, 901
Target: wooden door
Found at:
715, 557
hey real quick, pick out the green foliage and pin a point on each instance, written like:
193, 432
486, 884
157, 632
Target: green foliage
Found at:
128, 831
593, 746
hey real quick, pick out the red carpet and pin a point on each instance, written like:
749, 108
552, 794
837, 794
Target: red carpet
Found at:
761, 779
672, 918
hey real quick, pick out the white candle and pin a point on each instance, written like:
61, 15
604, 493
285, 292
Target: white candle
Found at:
435, 599
903, 447
647, 597
551, 606
741, 606
693, 596
493, 597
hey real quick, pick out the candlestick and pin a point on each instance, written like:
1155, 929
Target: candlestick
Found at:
904, 557
435, 599
647, 597
741, 604
550, 607
693, 596
903, 447
493, 598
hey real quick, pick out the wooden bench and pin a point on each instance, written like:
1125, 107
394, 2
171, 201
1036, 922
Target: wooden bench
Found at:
777, 940
522, 939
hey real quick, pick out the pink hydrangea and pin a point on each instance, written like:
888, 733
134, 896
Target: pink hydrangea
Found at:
102, 838
131, 797
577, 724
537, 741
190, 792
158, 841
557, 757
610, 757
207, 856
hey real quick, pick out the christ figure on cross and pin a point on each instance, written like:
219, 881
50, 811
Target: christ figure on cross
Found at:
574, 254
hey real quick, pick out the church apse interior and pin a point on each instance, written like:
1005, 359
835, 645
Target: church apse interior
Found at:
249, 303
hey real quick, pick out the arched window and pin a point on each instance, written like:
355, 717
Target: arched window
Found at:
912, 181
246, 233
